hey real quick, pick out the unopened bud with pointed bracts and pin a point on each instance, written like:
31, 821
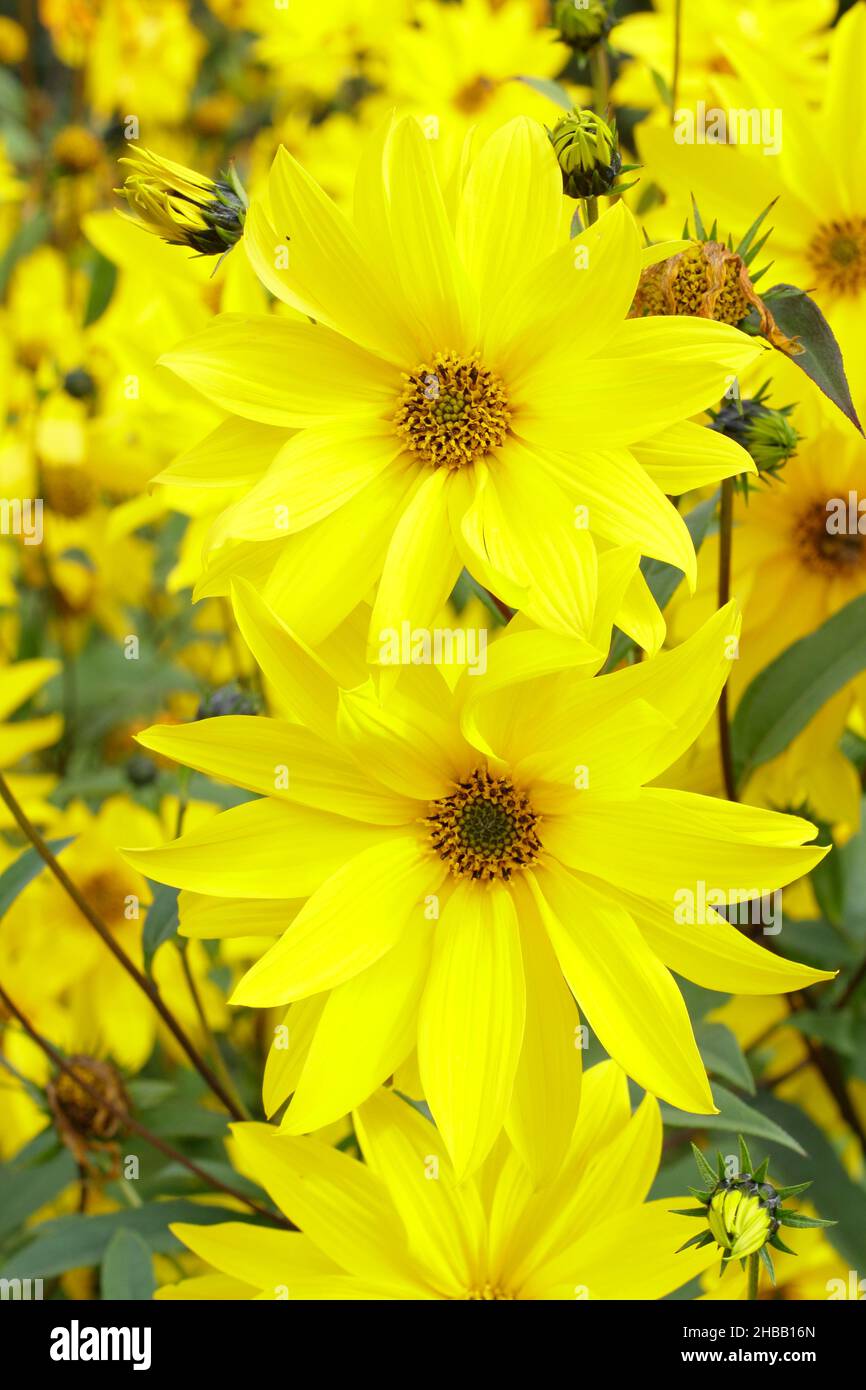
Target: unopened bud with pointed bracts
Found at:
181, 206
583, 23
744, 1213
764, 431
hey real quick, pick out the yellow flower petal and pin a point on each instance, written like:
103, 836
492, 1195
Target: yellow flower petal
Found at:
471, 1023
263, 849
338, 1203
627, 995
268, 369
368, 1026
444, 1221
357, 915
279, 759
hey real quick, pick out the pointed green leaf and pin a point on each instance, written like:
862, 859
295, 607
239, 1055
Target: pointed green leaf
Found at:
799, 316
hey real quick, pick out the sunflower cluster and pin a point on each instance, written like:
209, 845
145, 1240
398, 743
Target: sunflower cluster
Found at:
432, 613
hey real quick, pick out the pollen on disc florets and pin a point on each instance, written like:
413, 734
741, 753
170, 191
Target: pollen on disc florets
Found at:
453, 411
488, 1293
837, 253
484, 830
823, 551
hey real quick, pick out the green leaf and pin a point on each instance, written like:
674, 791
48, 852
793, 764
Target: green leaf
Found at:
797, 1221
734, 1117
799, 316
835, 1029
664, 579
161, 922
69, 1242
25, 868
661, 86
30, 235
127, 1268
783, 697
550, 89
723, 1056
704, 1167
102, 282
767, 1262
23, 1190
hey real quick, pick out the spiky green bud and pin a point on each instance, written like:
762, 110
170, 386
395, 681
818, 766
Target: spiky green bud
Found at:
588, 154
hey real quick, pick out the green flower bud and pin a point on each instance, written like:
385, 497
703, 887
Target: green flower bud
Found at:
764, 432
586, 148
742, 1215
582, 23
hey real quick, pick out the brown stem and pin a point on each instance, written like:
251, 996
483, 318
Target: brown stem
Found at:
134, 1126
826, 1063
147, 987
207, 1032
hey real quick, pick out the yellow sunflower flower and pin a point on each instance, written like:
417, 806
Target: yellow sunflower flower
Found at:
399, 1225
471, 393
465, 854
818, 175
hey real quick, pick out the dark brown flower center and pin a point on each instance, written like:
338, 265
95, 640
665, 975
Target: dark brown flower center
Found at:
484, 830
838, 256
824, 550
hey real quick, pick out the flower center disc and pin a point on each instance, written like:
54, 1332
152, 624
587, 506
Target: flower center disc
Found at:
453, 411
488, 1293
485, 829
838, 256
833, 554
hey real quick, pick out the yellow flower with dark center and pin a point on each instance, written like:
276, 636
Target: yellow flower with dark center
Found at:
448, 867
470, 393
400, 1225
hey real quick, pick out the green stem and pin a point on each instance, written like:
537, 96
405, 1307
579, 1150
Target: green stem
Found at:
678, 34
590, 211
754, 1265
599, 67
